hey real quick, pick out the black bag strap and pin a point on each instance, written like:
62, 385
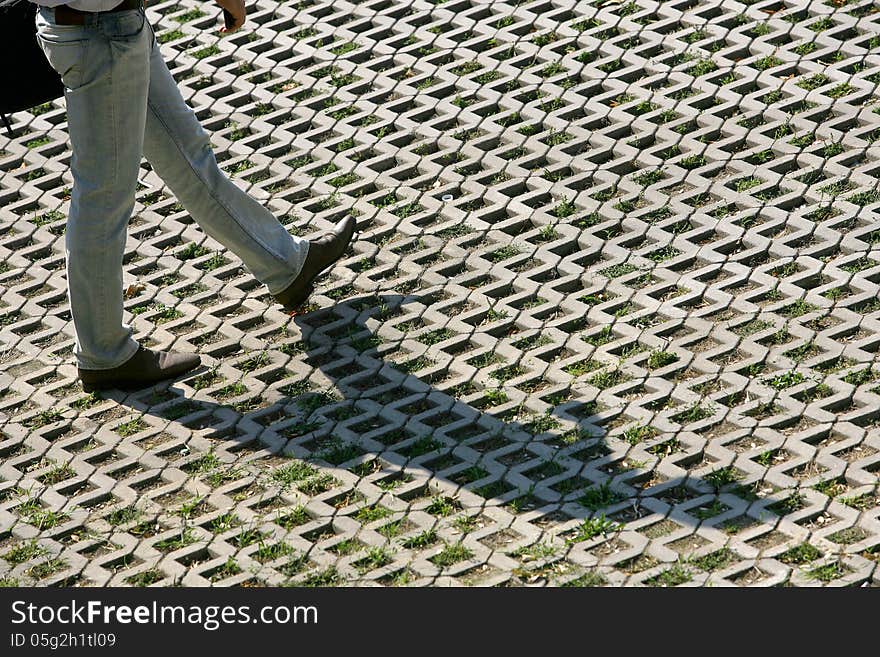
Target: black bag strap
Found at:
5, 119
36, 82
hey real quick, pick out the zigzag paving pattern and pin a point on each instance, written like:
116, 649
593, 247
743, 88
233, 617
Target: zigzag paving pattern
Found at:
611, 317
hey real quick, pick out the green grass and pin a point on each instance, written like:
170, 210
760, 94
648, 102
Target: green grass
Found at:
205, 463
716, 560
803, 352
123, 516
188, 16
435, 336
214, 262
745, 184
859, 265
588, 579
822, 24
371, 513
792, 503
228, 569
542, 424
47, 218
324, 578
180, 410
798, 309
831, 487
189, 508
828, 572
39, 141
604, 336
376, 558
318, 484
44, 418
599, 497
421, 446
582, 367
451, 555
674, 576
503, 374
223, 523
423, 540
145, 578
608, 379
206, 380
860, 502
840, 90
536, 551
801, 554
717, 507
343, 180
338, 452
860, 377
42, 518
659, 358
344, 48
616, 271
814, 81
46, 568
593, 527
837, 293
504, 253
181, 540
495, 396
206, 52
864, 198
664, 254
296, 517
649, 177
703, 67
767, 62
722, 477
57, 474
24, 552
247, 537
442, 506
693, 413
564, 208
786, 380
692, 162
637, 434
293, 473
766, 458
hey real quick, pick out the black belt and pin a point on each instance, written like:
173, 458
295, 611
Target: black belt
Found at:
65, 15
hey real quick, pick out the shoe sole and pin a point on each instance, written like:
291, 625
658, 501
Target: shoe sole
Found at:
295, 305
131, 387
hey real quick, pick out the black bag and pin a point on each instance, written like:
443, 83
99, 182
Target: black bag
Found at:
26, 77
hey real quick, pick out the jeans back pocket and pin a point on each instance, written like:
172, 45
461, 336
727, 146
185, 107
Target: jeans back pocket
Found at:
125, 25
66, 57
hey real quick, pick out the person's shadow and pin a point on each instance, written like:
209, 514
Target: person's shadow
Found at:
381, 456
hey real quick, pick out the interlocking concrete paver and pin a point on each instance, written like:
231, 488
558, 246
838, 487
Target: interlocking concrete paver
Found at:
611, 316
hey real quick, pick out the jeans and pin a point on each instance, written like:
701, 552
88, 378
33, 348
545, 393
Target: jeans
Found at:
122, 103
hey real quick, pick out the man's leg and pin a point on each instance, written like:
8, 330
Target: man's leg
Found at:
180, 152
106, 82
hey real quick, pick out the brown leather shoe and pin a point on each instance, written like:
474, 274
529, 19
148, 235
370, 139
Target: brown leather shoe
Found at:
143, 369
323, 252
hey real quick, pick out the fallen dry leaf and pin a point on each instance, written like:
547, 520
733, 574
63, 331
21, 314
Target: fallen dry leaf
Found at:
133, 290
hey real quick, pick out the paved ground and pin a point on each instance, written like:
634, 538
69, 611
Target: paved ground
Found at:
611, 317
